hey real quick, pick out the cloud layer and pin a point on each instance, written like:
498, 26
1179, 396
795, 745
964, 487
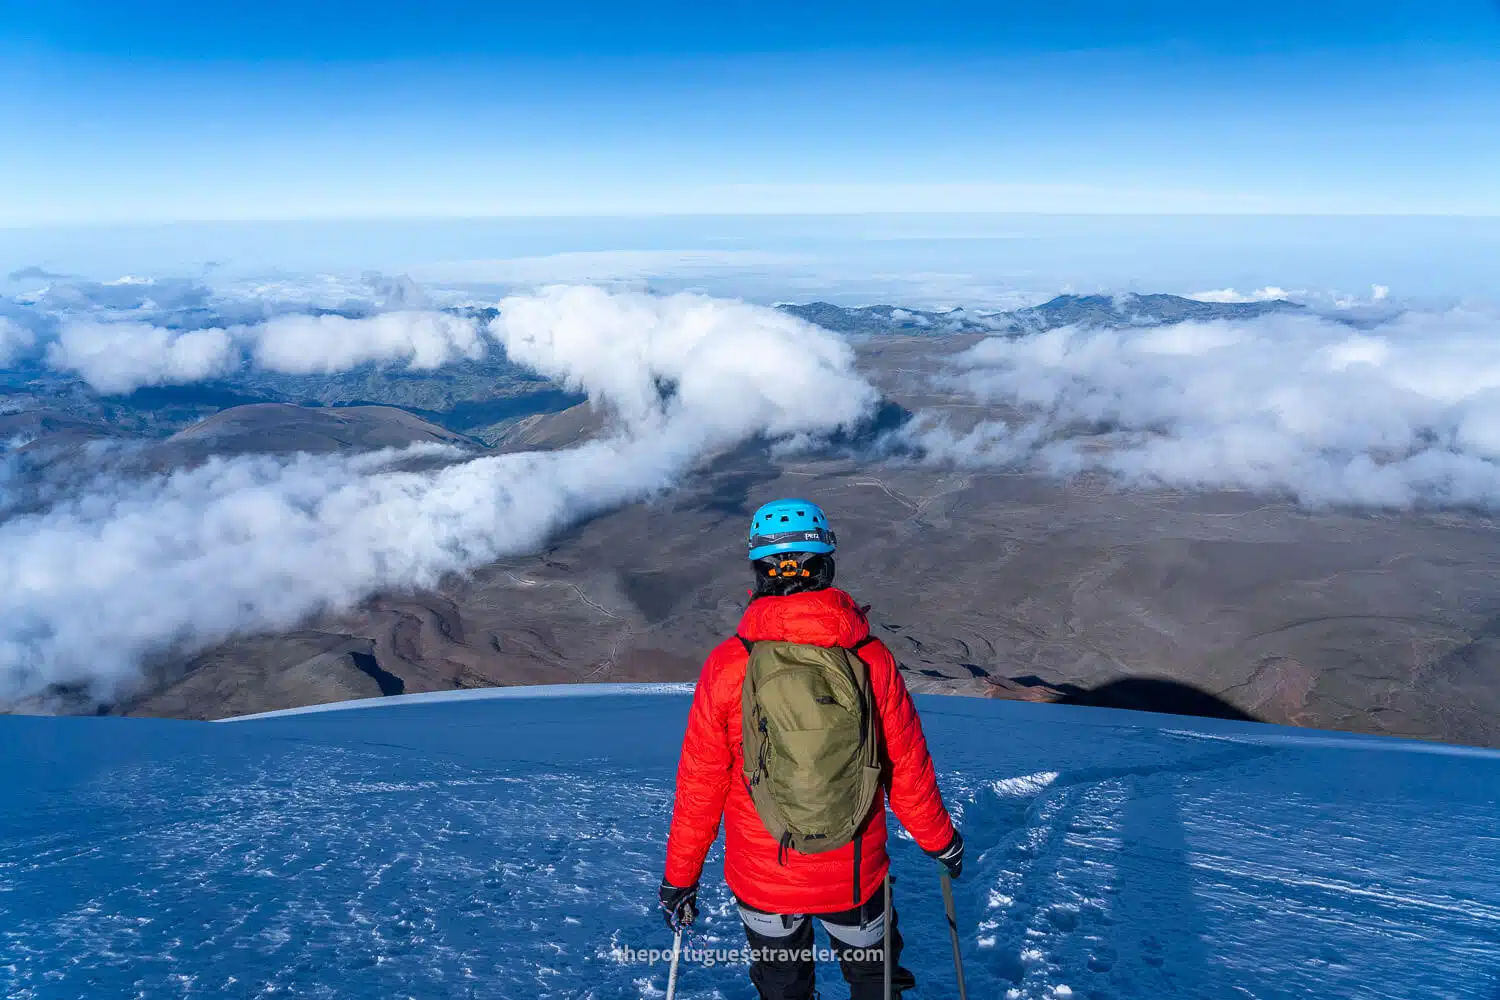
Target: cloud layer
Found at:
304, 345
116, 357
15, 340
1404, 414
119, 357
101, 581
131, 332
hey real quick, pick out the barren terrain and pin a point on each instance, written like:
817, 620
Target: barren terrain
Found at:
982, 582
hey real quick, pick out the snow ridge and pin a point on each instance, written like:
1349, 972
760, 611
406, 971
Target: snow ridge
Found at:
478, 694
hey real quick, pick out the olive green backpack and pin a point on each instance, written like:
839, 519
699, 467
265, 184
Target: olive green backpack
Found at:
812, 742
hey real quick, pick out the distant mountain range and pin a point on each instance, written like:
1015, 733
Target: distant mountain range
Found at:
1107, 311
485, 399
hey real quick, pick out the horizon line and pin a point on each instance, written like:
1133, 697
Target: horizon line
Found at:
647, 216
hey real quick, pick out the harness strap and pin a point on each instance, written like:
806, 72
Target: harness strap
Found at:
858, 842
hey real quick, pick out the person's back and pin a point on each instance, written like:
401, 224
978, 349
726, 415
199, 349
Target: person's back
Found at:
777, 886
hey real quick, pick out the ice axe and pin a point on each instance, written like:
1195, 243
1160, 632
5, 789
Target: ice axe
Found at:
676, 954
958, 960
887, 935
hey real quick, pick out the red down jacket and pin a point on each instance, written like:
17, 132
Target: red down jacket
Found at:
710, 775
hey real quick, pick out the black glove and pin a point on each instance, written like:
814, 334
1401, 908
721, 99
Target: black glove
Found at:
952, 856
679, 906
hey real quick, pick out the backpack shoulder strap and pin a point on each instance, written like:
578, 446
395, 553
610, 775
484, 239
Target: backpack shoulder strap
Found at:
750, 645
870, 711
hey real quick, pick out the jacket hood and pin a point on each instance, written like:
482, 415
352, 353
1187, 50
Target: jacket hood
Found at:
819, 618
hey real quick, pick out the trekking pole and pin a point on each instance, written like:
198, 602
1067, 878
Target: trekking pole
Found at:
887, 935
958, 960
676, 954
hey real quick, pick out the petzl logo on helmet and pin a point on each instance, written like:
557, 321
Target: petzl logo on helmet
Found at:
790, 526
817, 535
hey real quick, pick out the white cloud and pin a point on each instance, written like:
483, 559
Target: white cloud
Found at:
1269, 293
731, 365
119, 357
1405, 414
326, 344
116, 357
1217, 295
102, 580
122, 295
15, 341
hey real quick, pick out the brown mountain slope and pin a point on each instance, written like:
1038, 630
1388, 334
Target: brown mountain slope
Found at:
1371, 623
986, 582
282, 427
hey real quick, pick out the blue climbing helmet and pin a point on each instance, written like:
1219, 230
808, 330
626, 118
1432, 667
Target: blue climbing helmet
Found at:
790, 526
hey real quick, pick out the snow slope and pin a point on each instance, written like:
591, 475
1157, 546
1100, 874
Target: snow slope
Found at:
511, 847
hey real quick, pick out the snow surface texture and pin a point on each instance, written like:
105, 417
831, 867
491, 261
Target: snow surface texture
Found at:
511, 848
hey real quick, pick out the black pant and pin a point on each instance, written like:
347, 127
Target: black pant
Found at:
792, 976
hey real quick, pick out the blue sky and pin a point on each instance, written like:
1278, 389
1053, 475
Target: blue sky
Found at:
146, 112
